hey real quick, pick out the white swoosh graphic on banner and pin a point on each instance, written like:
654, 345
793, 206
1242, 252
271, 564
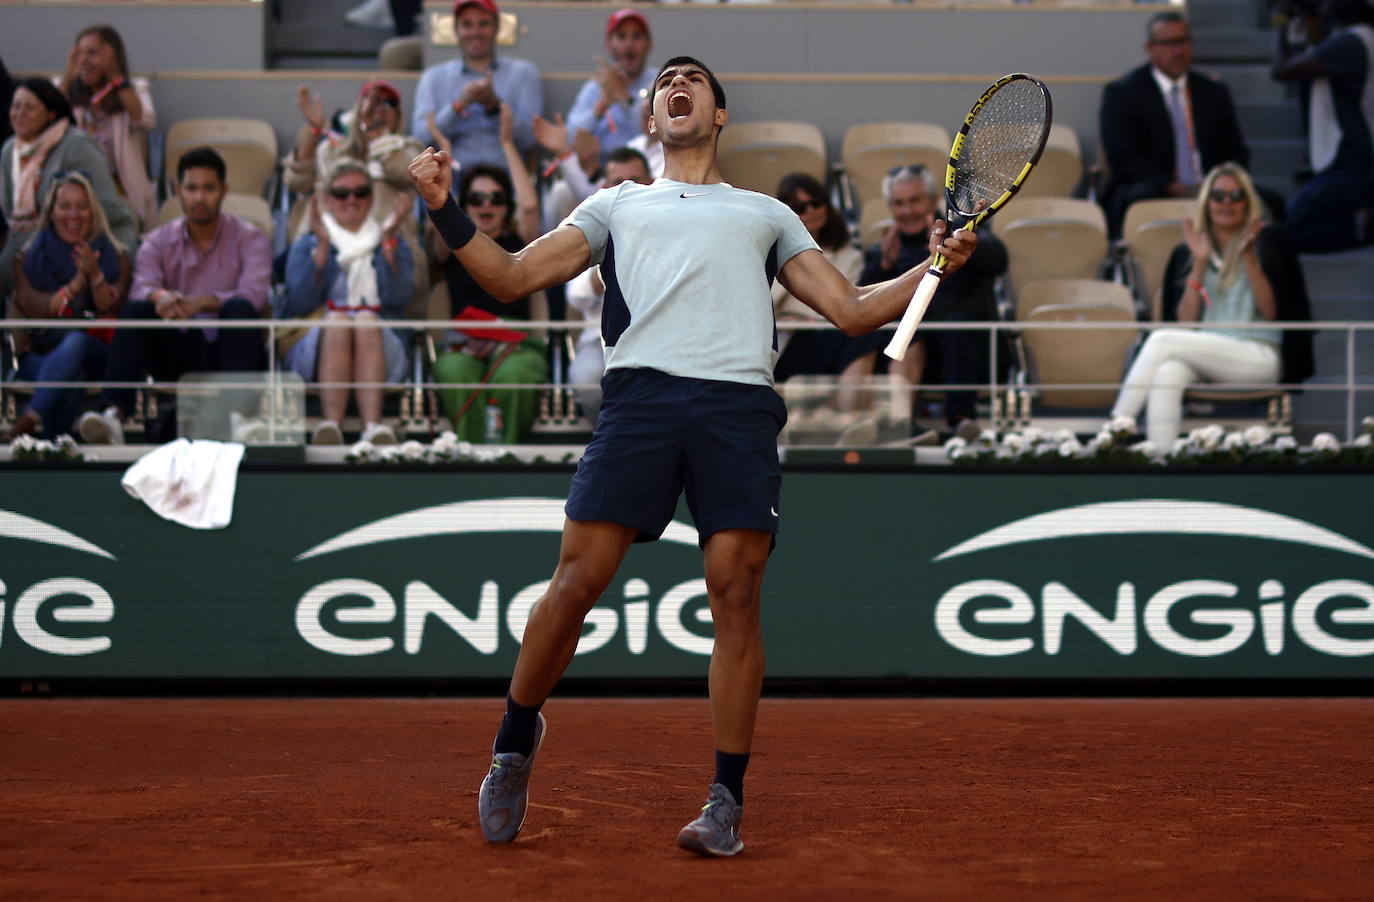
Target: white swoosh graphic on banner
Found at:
1162, 515
494, 515
18, 526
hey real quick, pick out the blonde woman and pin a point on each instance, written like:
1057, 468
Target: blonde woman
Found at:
349, 266
1233, 270
72, 267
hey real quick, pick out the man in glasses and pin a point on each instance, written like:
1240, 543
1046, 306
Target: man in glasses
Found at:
689, 405
1164, 125
952, 358
465, 94
206, 265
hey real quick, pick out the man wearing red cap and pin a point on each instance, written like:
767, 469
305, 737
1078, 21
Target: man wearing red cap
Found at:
465, 94
608, 103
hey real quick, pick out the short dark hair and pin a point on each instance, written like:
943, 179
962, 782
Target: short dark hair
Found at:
48, 95
202, 158
716, 89
625, 154
1168, 17
469, 175
834, 234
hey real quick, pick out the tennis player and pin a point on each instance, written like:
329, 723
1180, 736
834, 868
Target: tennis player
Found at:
689, 405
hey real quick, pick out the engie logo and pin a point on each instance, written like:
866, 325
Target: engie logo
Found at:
328, 613
58, 599
1315, 613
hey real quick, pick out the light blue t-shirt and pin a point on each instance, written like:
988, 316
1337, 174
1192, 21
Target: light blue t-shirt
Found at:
1235, 304
688, 271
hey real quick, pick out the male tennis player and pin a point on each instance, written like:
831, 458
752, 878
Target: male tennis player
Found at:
689, 404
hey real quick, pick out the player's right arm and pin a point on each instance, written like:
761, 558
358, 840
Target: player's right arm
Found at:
551, 259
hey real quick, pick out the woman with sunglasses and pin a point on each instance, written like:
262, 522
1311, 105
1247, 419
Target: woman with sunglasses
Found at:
1232, 270
348, 266
116, 110
827, 352
505, 208
72, 267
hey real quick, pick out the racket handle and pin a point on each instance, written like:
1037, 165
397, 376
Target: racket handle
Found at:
896, 348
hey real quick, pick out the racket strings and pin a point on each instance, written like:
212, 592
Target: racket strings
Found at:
1003, 136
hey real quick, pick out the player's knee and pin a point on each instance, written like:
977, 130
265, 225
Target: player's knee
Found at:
735, 608
572, 594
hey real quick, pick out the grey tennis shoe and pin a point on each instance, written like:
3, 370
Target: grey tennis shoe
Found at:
505, 792
716, 829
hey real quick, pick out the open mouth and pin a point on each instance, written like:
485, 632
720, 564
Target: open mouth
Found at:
679, 105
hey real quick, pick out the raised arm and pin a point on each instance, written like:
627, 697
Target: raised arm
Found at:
857, 311
550, 260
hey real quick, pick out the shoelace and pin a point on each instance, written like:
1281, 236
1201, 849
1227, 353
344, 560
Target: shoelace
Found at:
715, 812
500, 777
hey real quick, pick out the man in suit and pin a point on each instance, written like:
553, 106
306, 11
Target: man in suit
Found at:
1163, 125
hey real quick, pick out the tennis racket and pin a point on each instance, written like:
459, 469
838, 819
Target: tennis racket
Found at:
992, 156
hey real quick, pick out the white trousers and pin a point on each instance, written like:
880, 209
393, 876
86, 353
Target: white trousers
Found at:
1171, 359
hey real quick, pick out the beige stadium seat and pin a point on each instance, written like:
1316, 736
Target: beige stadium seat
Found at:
756, 155
1150, 231
1072, 291
871, 149
1078, 356
249, 148
1060, 168
873, 221
1052, 238
250, 207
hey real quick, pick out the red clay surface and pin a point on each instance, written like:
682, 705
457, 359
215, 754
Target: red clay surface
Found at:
894, 799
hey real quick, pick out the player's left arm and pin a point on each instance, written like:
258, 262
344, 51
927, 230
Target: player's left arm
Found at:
857, 311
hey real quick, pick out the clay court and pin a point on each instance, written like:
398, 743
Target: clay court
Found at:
847, 799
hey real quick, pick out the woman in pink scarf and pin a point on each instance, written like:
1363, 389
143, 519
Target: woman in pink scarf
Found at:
116, 110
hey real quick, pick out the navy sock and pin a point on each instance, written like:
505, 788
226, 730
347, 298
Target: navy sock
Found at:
730, 773
517, 728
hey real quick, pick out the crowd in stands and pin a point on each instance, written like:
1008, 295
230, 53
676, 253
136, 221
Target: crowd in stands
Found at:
82, 236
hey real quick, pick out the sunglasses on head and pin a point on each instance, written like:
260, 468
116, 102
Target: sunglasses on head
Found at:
360, 192
482, 198
907, 169
801, 206
1219, 196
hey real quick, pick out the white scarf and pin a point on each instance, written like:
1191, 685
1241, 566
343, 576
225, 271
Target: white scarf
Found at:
356, 250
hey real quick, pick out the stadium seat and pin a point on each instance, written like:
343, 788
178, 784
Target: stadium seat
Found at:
1072, 291
874, 220
1052, 238
871, 149
249, 207
1068, 357
1060, 168
1149, 233
756, 155
249, 148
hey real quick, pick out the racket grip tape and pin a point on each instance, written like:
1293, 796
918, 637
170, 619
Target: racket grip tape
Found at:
915, 311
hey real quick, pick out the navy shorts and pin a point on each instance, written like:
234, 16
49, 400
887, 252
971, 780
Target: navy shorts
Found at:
660, 435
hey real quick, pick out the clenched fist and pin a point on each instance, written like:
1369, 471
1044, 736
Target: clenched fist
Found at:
432, 173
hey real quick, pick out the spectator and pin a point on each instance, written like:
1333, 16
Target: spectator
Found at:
6, 93
587, 291
647, 142
827, 352
72, 267
205, 265
116, 110
349, 266
1164, 124
956, 357
44, 144
465, 94
370, 133
486, 193
1332, 210
1232, 269
608, 103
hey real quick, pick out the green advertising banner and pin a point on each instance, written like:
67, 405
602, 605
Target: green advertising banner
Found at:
431, 573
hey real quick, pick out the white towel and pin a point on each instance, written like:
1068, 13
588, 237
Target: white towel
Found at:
191, 483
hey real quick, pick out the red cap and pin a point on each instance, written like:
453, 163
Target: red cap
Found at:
488, 5
621, 16
383, 86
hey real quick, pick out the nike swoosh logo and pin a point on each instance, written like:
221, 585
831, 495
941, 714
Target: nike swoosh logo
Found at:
773, 511
700, 194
